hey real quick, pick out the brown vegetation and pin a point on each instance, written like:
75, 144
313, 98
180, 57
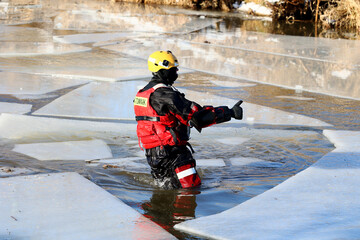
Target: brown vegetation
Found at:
224, 5
333, 13
342, 14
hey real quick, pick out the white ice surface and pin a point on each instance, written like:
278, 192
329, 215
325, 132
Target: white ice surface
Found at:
253, 162
232, 140
32, 84
317, 203
18, 108
68, 206
23, 128
9, 49
114, 101
210, 163
71, 150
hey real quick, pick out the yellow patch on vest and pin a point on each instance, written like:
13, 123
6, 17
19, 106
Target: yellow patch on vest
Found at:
140, 101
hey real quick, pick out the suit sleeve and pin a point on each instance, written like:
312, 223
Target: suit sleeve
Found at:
166, 100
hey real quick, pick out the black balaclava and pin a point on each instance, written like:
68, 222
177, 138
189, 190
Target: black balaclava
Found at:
168, 76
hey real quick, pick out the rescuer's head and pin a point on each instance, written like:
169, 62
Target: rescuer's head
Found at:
164, 65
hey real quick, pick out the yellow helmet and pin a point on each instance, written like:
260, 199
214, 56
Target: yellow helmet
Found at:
162, 60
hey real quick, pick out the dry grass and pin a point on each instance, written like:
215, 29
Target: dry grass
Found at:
342, 14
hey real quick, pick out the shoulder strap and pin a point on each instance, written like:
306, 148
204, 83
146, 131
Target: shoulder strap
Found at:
160, 85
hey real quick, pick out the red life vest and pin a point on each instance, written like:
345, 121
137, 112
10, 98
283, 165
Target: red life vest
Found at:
152, 129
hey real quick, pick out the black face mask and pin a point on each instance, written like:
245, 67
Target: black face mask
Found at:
168, 75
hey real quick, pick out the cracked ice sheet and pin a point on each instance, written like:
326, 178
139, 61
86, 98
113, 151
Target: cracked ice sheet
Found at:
23, 128
72, 150
69, 198
260, 66
32, 84
11, 49
324, 49
114, 101
317, 203
18, 108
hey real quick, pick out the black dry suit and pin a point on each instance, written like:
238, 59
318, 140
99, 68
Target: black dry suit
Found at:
166, 160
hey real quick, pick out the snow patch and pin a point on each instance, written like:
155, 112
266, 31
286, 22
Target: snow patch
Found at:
343, 74
255, 8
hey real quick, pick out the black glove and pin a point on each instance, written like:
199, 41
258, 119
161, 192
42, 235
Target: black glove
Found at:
237, 111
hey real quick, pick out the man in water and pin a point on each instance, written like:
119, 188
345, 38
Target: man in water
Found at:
164, 117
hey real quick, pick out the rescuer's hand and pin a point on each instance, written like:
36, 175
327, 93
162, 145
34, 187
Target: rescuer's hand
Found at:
237, 111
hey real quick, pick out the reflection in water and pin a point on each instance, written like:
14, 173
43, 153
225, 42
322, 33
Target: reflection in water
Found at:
170, 207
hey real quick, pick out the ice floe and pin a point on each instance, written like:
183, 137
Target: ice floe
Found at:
104, 100
210, 163
232, 140
70, 150
114, 101
306, 206
47, 206
253, 162
29, 128
32, 84
18, 108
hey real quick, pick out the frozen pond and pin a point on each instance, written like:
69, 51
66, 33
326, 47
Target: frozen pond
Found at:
69, 71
